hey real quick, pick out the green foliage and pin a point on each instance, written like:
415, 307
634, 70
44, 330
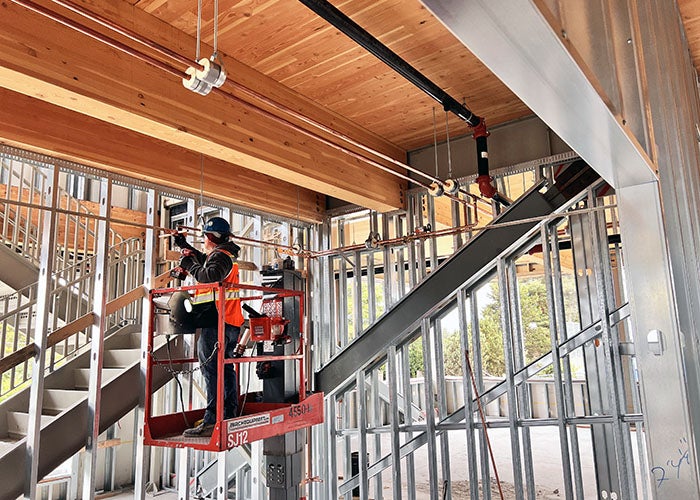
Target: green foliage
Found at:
452, 354
378, 300
415, 357
9, 348
534, 317
535, 321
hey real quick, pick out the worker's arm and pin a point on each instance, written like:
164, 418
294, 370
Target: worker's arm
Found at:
215, 268
180, 240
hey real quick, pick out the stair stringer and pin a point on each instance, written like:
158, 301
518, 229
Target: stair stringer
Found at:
339, 372
18, 271
65, 435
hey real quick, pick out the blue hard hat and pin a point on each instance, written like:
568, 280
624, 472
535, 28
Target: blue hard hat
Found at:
218, 227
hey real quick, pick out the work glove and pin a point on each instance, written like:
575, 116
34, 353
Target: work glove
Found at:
186, 262
180, 240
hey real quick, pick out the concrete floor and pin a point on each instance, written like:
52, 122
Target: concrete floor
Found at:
546, 464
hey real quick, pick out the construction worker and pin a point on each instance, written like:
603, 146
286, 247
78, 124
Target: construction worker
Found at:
217, 264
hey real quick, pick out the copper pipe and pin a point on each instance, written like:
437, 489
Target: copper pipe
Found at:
28, 4
251, 93
131, 35
396, 241
281, 248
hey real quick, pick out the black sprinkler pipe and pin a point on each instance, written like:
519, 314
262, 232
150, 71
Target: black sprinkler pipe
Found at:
390, 58
357, 33
483, 179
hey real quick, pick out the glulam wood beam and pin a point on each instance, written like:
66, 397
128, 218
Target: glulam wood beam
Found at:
43, 59
37, 125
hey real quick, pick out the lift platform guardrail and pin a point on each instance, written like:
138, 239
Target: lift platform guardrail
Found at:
258, 420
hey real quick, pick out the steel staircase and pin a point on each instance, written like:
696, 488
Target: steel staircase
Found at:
64, 412
64, 416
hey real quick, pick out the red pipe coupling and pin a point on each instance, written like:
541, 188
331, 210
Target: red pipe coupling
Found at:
480, 130
485, 186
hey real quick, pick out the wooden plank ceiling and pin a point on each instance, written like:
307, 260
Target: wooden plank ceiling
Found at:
278, 48
690, 14
287, 41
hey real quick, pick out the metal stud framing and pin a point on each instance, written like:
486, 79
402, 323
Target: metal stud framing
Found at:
141, 462
366, 416
426, 436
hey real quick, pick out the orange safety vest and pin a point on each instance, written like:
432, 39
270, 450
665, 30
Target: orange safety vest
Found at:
233, 314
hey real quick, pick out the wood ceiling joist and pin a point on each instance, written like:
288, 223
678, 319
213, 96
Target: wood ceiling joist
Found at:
40, 58
34, 124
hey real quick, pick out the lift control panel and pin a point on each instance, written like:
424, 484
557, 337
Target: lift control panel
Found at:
257, 419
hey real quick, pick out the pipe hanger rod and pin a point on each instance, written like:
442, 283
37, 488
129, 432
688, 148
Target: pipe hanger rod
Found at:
40, 9
390, 58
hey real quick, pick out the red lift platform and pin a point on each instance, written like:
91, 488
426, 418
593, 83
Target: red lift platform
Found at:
258, 420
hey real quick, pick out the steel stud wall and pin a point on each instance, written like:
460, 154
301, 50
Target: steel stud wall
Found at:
409, 454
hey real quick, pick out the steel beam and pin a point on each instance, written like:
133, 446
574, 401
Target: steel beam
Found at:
440, 284
510, 37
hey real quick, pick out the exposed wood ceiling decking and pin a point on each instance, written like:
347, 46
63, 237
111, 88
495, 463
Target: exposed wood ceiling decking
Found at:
287, 41
690, 13
279, 48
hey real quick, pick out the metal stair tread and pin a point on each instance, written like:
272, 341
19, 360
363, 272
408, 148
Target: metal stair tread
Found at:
18, 422
121, 357
129, 340
82, 376
58, 400
6, 444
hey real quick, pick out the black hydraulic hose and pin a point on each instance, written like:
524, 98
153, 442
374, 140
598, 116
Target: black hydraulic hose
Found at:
390, 58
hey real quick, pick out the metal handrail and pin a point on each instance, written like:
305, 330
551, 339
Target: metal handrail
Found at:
29, 179
65, 340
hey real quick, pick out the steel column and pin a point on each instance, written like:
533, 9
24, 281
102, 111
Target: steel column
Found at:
141, 459
408, 416
357, 294
361, 384
506, 329
583, 244
331, 424
469, 396
547, 234
342, 290
36, 394
478, 376
400, 263
658, 345
376, 423
429, 407
442, 407
183, 473
612, 358
393, 375
97, 342
522, 391
390, 288
221, 476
